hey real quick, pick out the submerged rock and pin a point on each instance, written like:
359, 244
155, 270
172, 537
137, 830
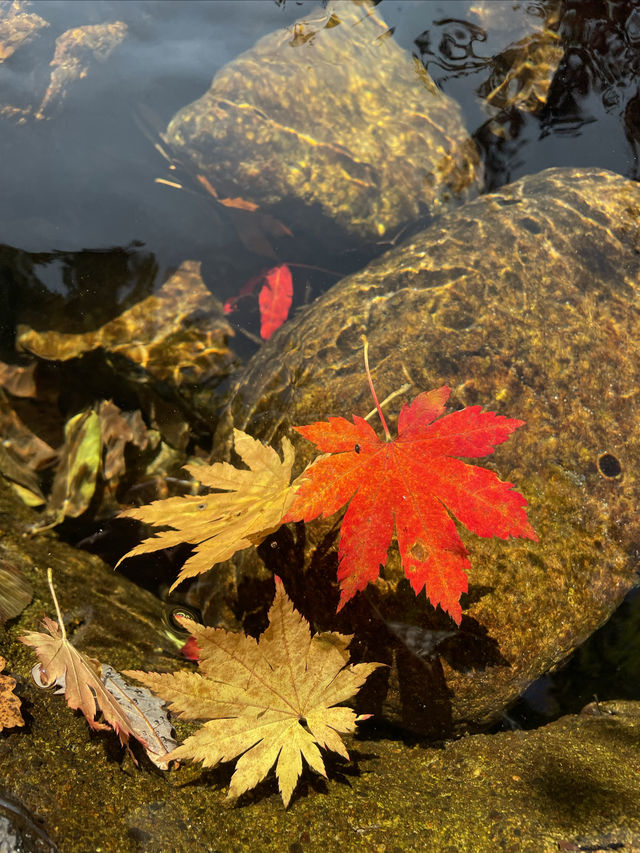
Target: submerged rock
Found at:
17, 27
330, 123
178, 334
526, 302
76, 50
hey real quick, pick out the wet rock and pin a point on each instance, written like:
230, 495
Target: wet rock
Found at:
514, 49
524, 790
178, 334
521, 75
17, 26
76, 50
559, 787
331, 124
526, 302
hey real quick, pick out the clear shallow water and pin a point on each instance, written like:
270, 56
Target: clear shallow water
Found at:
84, 179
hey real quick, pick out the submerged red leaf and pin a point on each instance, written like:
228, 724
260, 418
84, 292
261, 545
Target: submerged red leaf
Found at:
275, 300
412, 483
231, 303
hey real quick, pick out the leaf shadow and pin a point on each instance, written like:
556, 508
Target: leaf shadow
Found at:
391, 625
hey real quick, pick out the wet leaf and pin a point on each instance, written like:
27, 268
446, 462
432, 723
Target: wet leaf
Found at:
248, 505
15, 591
10, 715
75, 479
17, 380
22, 453
270, 701
275, 300
146, 714
117, 429
31, 451
80, 679
94, 688
23, 481
414, 484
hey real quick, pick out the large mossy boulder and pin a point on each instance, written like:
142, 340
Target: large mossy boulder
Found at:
333, 127
527, 302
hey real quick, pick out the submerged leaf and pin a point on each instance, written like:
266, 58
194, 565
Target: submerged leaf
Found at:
22, 453
15, 591
117, 429
249, 505
275, 300
75, 480
270, 701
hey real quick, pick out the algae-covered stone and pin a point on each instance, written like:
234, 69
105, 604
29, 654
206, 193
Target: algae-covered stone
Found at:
335, 119
17, 26
527, 302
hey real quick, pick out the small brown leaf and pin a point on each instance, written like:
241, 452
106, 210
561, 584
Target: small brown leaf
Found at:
10, 715
91, 687
80, 674
117, 429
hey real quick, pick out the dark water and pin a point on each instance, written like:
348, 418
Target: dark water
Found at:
81, 200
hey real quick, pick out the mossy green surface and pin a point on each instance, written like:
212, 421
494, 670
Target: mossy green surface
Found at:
516, 791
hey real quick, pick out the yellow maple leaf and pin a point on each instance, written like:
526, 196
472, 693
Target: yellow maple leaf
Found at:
248, 505
270, 701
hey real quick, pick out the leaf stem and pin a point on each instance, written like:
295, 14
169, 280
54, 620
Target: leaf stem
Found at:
373, 390
55, 601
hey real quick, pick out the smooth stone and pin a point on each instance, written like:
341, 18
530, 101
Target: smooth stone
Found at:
526, 302
331, 126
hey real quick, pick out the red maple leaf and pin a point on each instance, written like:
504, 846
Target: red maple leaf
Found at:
414, 481
275, 299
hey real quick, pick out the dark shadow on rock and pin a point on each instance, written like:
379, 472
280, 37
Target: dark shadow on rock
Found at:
400, 629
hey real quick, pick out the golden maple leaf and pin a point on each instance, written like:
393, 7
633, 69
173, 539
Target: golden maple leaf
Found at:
270, 701
249, 505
